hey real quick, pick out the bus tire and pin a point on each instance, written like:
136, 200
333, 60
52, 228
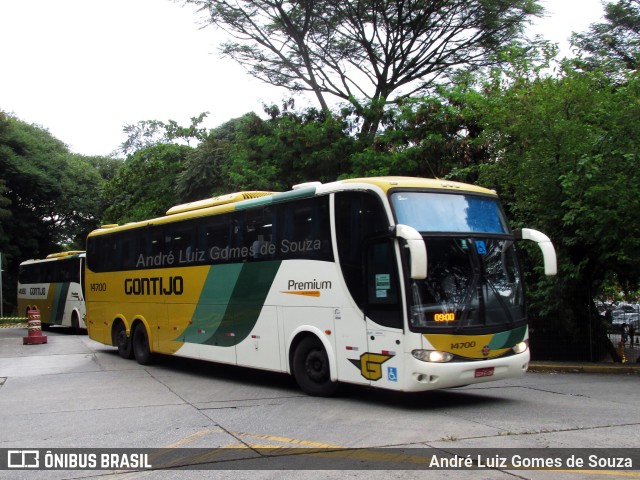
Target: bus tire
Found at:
141, 349
75, 324
311, 368
120, 339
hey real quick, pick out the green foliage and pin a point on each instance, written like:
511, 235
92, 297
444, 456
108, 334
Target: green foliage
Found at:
202, 174
144, 186
49, 198
615, 43
287, 149
423, 137
564, 159
147, 133
209, 167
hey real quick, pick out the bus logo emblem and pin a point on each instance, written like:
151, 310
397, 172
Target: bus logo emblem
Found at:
486, 350
370, 365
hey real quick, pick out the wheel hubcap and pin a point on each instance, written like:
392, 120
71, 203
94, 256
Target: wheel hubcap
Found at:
315, 365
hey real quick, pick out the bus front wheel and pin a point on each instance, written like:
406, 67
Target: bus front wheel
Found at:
141, 349
120, 340
311, 368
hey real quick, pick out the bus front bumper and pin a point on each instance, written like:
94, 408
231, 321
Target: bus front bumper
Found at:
430, 376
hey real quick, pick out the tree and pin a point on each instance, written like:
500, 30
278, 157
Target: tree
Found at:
614, 43
365, 52
287, 149
147, 133
564, 159
44, 181
144, 186
80, 211
203, 173
423, 137
48, 196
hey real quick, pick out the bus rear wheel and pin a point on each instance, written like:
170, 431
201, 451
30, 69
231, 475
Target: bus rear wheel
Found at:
75, 324
311, 368
120, 340
141, 349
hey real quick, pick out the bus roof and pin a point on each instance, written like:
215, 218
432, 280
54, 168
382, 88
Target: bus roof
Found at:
219, 200
54, 256
65, 254
388, 183
245, 200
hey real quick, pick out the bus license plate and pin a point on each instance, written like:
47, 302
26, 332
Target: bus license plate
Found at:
484, 372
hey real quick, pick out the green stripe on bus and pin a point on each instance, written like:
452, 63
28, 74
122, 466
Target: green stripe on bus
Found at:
276, 198
299, 193
246, 302
59, 301
507, 339
212, 303
245, 204
230, 303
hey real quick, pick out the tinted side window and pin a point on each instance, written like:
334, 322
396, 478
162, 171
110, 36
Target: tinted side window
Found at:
359, 216
101, 253
293, 230
214, 237
67, 270
254, 235
304, 230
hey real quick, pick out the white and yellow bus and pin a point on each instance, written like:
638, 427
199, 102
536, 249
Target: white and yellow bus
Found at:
54, 286
401, 283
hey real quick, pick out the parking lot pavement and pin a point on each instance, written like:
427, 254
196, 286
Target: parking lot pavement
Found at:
75, 393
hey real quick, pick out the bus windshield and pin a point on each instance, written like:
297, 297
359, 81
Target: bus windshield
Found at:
473, 280
446, 212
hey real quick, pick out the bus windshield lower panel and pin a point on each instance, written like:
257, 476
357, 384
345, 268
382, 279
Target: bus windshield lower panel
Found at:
473, 285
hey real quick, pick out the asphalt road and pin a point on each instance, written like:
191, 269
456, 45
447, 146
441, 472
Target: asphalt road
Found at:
75, 393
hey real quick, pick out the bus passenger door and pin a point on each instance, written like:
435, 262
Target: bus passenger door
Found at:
383, 313
351, 345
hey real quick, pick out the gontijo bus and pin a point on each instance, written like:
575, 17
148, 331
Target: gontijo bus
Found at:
54, 286
401, 283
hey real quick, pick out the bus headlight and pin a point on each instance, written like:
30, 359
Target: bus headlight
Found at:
521, 347
433, 356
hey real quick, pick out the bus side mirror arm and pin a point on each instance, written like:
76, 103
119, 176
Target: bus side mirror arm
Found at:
417, 250
548, 252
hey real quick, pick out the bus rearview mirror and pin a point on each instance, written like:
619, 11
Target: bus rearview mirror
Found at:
417, 250
548, 251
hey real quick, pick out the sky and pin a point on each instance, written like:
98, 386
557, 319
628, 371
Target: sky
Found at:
83, 69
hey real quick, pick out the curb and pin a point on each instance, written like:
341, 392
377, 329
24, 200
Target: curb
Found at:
618, 368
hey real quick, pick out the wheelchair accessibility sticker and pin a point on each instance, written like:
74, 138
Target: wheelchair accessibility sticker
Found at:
392, 374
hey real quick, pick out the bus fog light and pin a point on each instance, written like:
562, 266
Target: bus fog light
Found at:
433, 356
521, 347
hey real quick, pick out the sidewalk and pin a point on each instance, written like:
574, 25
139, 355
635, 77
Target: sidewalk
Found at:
584, 367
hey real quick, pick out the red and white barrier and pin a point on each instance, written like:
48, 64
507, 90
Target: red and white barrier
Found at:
35, 336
